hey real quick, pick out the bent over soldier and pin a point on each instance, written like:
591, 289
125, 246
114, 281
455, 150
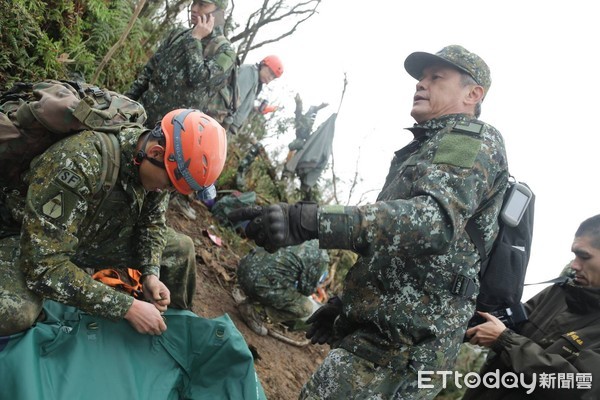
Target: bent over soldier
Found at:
68, 224
278, 285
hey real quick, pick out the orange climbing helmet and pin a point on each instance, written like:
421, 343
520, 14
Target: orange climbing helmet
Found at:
195, 149
274, 63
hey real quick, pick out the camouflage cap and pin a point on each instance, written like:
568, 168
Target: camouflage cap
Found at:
455, 55
221, 4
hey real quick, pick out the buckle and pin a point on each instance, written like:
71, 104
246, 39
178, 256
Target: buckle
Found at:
463, 286
95, 91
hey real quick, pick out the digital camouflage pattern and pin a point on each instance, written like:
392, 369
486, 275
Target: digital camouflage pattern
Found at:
182, 75
66, 228
281, 281
455, 55
331, 381
35, 115
397, 298
224, 104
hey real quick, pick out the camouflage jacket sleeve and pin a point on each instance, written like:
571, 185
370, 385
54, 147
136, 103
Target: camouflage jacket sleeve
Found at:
142, 82
151, 233
59, 197
212, 71
427, 200
247, 83
216, 67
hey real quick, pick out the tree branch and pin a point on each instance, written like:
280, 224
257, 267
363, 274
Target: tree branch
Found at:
119, 42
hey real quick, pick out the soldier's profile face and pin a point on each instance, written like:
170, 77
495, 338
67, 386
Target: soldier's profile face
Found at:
587, 262
198, 10
154, 178
266, 75
439, 92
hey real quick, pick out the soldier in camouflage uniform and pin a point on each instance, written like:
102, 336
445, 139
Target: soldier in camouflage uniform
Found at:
190, 66
280, 283
67, 226
407, 300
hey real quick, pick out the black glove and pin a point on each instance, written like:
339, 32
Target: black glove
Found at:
321, 330
279, 225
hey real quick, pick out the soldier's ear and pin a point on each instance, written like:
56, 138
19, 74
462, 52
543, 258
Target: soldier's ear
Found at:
156, 152
475, 95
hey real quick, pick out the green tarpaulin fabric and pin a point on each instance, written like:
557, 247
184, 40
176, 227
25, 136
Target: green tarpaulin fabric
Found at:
73, 355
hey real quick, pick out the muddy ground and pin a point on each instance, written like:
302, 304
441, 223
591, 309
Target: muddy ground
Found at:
281, 367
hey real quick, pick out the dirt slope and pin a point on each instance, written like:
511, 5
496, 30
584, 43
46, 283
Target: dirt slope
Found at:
282, 368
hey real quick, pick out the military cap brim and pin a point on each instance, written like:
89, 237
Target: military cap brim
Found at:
416, 62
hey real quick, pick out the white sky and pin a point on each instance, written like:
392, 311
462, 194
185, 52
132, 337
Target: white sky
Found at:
543, 98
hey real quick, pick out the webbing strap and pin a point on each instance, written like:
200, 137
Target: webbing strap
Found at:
181, 164
463, 286
111, 277
477, 238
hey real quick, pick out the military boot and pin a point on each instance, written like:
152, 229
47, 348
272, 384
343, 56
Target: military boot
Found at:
252, 318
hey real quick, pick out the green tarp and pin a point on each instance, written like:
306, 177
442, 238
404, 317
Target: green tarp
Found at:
73, 355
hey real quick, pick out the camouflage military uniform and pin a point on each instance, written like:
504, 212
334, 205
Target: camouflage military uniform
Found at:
182, 75
66, 228
399, 310
282, 281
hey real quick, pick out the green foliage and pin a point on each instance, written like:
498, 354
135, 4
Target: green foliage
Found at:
66, 39
22, 42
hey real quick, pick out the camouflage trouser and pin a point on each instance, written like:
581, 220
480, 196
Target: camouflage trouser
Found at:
19, 307
345, 376
297, 308
280, 303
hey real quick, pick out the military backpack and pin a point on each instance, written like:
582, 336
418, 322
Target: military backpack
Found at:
502, 273
33, 116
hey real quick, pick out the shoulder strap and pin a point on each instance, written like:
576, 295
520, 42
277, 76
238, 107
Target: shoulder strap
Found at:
111, 162
214, 45
477, 237
235, 91
560, 279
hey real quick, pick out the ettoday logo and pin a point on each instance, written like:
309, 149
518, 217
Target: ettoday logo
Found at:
509, 380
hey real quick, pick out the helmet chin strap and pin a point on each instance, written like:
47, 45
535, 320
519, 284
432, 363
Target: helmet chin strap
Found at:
142, 155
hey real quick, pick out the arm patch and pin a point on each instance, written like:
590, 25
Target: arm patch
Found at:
458, 150
69, 178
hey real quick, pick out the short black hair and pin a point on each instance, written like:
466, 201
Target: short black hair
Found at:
590, 228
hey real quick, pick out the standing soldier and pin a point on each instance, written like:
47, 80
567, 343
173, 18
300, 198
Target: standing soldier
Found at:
405, 303
189, 67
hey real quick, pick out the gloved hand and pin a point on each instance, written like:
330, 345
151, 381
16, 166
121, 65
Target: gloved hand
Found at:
321, 330
279, 225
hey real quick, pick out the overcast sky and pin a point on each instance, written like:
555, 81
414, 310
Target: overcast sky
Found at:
543, 98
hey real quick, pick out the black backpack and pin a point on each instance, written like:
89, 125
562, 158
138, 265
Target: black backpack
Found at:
502, 273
